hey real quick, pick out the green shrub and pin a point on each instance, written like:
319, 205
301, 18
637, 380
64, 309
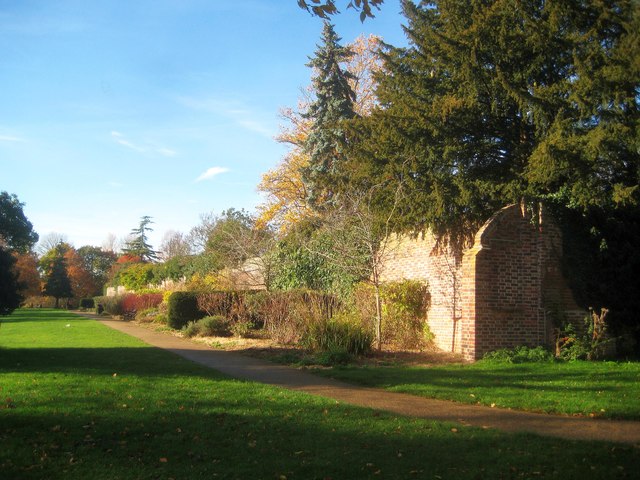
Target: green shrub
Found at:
405, 305
87, 303
110, 305
214, 326
522, 354
241, 328
191, 329
337, 336
182, 309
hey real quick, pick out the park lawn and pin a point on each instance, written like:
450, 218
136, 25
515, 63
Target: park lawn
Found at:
78, 400
595, 389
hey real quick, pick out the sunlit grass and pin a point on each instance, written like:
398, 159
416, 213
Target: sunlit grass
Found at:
602, 389
78, 400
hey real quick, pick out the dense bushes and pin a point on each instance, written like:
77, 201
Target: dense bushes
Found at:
87, 303
127, 305
182, 309
337, 336
404, 312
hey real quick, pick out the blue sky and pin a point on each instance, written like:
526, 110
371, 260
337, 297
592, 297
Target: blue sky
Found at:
111, 110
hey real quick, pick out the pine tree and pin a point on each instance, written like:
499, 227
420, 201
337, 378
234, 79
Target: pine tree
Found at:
58, 284
139, 246
496, 102
333, 104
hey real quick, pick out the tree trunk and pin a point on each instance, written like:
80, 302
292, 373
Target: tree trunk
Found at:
378, 326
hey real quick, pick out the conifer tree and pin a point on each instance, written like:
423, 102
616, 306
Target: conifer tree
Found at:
57, 283
139, 246
333, 104
496, 102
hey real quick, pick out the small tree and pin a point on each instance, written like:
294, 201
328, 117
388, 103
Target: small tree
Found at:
360, 229
58, 284
138, 245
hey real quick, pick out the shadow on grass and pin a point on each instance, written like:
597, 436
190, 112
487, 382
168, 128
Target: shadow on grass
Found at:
36, 315
258, 434
142, 361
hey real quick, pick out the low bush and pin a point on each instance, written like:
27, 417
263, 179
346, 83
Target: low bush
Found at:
132, 303
337, 336
182, 309
40, 302
404, 312
241, 328
522, 354
87, 303
110, 305
211, 326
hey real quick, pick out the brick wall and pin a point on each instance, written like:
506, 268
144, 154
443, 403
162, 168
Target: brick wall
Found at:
504, 291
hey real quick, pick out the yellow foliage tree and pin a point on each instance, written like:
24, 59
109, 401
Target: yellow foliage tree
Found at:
286, 203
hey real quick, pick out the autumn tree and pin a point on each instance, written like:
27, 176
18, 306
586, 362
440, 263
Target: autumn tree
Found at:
28, 275
286, 202
82, 281
98, 263
174, 244
138, 245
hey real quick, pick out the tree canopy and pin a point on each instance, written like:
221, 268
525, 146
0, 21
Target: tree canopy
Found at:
326, 8
16, 232
138, 245
496, 103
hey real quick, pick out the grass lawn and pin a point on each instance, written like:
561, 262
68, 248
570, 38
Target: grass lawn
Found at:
601, 389
78, 400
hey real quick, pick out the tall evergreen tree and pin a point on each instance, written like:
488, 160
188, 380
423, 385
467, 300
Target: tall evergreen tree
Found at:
495, 102
57, 282
333, 104
139, 245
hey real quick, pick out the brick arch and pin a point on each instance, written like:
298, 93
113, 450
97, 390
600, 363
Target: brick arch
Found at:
508, 278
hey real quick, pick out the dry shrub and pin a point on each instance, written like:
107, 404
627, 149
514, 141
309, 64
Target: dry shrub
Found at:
404, 312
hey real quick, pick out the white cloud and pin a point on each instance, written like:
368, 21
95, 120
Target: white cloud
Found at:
234, 110
120, 139
211, 172
166, 152
10, 138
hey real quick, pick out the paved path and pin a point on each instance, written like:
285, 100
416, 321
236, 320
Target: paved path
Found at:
240, 366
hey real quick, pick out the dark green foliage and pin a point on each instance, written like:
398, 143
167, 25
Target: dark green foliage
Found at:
87, 303
57, 283
10, 297
601, 261
500, 101
331, 107
300, 263
138, 246
16, 232
522, 354
211, 326
182, 309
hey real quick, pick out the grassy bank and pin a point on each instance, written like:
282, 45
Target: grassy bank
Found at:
600, 389
78, 400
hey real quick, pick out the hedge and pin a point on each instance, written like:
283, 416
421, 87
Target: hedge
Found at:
182, 309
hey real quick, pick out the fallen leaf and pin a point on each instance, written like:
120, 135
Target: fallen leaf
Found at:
163, 460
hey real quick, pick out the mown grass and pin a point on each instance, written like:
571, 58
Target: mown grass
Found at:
600, 389
78, 400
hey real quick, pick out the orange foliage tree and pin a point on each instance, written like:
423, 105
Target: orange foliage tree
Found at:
286, 199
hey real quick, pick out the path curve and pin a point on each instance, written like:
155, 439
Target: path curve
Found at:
249, 368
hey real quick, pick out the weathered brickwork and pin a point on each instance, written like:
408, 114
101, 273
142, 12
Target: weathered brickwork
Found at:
502, 292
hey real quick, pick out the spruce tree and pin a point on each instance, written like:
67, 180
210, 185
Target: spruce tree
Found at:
333, 104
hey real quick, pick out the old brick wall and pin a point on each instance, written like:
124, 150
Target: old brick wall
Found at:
421, 258
504, 291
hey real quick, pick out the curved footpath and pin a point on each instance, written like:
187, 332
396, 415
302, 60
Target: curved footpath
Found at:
243, 367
